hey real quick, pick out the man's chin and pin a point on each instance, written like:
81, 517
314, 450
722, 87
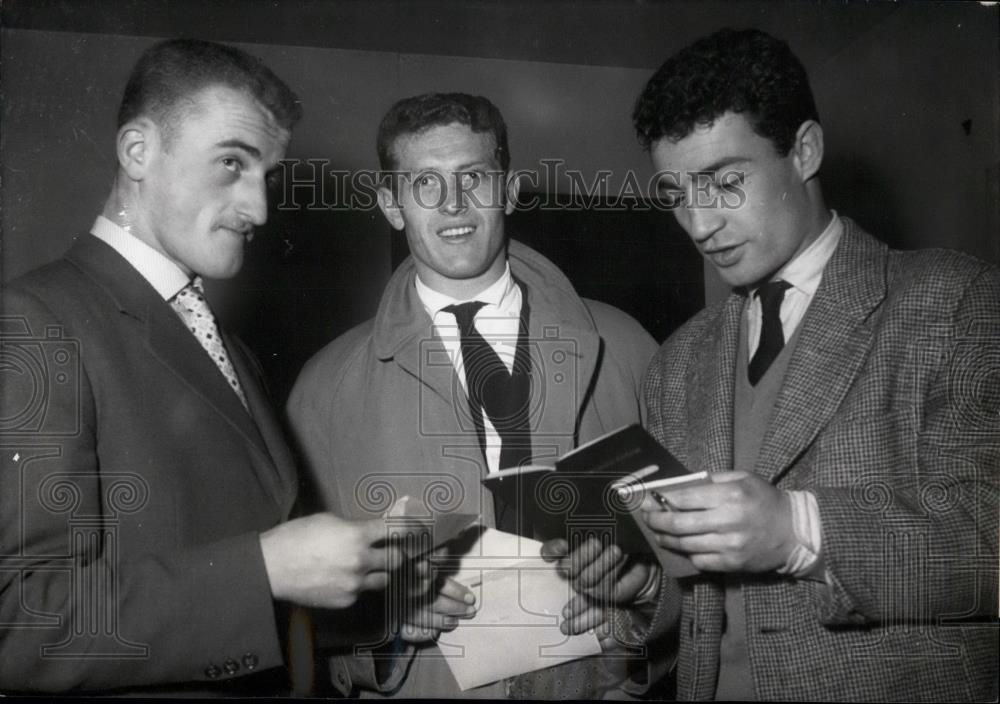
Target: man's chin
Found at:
223, 270
736, 277
463, 269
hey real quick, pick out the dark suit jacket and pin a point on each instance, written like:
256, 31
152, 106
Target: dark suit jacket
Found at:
133, 487
890, 414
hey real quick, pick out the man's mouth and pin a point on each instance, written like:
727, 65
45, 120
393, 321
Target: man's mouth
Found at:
244, 232
458, 231
724, 256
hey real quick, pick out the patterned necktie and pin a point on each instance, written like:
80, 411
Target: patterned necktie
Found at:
772, 339
191, 306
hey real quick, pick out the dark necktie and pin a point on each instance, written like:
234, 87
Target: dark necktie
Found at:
772, 339
503, 395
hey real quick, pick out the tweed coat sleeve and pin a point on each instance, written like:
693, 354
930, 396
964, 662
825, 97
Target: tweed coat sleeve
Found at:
654, 626
914, 535
663, 394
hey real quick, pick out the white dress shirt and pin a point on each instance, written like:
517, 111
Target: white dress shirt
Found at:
804, 273
161, 273
498, 322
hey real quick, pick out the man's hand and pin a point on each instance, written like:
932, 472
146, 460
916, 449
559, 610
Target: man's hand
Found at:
601, 576
739, 523
435, 613
326, 561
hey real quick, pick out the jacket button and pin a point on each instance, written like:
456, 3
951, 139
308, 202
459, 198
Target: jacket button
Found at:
341, 678
250, 661
231, 667
212, 671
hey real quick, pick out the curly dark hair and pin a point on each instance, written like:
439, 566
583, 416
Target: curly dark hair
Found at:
745, 71
421, 112
170, 72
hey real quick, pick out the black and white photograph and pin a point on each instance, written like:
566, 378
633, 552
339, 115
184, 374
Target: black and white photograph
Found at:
500, 349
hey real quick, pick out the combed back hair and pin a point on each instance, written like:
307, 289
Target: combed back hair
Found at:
170, 73
421, 112
747, 72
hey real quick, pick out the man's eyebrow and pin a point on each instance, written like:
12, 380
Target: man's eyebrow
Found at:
722, 163
669, 180
461, 168
668, 184
472, 165
239, 144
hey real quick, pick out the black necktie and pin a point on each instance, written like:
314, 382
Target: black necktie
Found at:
506, 396
772, 339
503, 395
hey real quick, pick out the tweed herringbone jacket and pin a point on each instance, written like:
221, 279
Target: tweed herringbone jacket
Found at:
890, 415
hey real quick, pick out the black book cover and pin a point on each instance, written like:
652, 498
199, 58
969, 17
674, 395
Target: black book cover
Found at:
579, 495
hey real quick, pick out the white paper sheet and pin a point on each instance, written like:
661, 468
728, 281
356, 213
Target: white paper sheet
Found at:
520, 598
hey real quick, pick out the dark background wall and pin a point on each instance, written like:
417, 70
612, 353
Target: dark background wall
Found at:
908, 93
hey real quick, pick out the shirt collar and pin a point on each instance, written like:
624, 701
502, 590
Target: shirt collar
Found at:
161, 273
805, 271
499, 294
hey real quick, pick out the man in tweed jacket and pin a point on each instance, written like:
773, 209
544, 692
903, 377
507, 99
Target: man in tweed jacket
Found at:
851, 422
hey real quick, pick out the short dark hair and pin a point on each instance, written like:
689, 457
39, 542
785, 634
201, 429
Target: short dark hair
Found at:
170, 72
422, 112
746, 71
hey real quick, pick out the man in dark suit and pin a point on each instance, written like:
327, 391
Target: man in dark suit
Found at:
144, 479
846, 398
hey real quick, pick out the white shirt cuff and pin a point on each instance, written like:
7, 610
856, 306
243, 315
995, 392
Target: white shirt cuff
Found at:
808, 535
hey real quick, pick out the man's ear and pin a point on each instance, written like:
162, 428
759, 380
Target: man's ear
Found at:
137, 143
808, 149
389, 205
512, 188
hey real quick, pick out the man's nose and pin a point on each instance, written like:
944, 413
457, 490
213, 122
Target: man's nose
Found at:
252, 205
455, 198
703, 222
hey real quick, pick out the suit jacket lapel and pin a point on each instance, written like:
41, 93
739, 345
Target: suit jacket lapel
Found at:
832, 347
710, 392
167, 338
267, 426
